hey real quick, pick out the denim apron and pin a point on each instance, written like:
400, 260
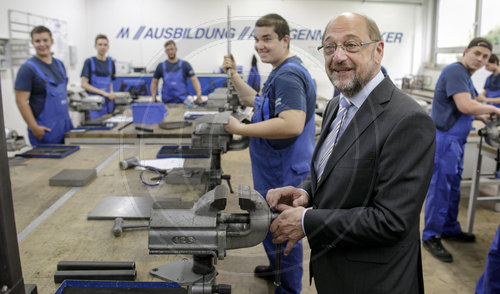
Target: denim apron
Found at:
443, 196
174, 86
102, 83
493, 87
273, 168
54, 115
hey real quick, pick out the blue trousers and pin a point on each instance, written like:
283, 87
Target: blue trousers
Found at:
443, 196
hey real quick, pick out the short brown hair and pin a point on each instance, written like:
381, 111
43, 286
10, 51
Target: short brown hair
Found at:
493, 59
39, 30
169, 42
278, 23
101, 36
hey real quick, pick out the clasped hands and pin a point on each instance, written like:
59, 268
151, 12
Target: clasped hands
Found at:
291, 202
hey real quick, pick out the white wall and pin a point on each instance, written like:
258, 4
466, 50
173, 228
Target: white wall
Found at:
71, 11
207, 56
86, 18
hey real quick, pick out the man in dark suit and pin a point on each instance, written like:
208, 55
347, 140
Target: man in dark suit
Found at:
369, 176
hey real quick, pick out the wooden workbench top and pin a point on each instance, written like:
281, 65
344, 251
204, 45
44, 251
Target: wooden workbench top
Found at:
47, 237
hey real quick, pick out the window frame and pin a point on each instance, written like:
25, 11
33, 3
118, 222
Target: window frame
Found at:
460, 49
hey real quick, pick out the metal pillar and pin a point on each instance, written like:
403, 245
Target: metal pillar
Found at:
11, 276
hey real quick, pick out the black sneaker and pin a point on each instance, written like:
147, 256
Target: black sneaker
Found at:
462, 237
264, 272
434, 246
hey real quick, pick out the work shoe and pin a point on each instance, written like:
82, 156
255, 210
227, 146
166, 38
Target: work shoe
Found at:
264, 272
434, 246
462, 237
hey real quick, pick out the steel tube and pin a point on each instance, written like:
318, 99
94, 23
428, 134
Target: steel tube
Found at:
95, 265
11, 276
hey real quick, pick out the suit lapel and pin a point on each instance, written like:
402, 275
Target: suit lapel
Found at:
334, 104
365, 116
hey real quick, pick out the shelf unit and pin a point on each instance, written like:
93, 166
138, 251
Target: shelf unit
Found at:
4, 55
18, 47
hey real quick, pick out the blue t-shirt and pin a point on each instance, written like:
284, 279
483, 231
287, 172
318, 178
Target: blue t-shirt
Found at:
28, 80
291, 89
454, 78
101, 68
187, 70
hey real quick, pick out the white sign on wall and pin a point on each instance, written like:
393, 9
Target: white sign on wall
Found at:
137, 32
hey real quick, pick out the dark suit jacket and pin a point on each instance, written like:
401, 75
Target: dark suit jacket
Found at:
363, 229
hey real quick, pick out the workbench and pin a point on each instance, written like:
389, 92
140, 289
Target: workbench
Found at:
52, 223
427, 95
478, 178
127, 134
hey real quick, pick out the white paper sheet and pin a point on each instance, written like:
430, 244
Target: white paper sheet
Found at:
164, 163
119, 119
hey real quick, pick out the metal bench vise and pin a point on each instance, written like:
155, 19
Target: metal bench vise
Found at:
202, 230
209, 133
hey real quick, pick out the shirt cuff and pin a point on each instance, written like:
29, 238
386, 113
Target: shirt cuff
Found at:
305, 210
303, 215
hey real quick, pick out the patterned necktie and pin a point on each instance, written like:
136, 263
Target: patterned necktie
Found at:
332, 138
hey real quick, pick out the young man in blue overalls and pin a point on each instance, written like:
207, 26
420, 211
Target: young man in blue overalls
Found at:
453, 110
282, 131
175, 73
98, 74
40, 89
491, 93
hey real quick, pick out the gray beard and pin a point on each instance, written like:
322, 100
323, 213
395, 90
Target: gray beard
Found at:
357, 83
352, 88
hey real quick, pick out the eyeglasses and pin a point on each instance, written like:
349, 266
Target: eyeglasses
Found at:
348, 46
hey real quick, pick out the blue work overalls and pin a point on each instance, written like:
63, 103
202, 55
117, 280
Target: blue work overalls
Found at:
443, 196
102, 83
174, 86
489, 282
54, 115
273, 168
493, 87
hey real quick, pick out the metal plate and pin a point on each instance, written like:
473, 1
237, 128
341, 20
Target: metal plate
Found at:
73, 177
185, 176
183, 152
181, 272
175, 125
126, 207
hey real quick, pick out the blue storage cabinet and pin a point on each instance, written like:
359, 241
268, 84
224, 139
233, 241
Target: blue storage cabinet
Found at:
148, 113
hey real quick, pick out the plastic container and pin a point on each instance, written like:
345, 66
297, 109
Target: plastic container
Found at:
148, 113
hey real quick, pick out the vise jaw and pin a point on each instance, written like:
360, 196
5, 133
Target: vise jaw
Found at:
201, 228
209, 133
